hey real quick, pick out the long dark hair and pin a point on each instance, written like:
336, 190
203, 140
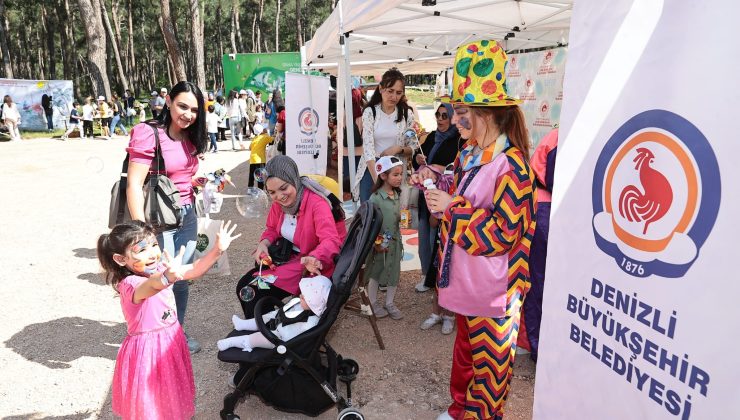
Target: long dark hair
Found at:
197, 131
117, 242
389, 79
510, 121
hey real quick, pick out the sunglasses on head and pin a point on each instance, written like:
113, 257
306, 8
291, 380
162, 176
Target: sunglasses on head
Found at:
441, 115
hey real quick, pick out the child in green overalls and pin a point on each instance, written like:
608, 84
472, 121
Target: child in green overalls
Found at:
384, 262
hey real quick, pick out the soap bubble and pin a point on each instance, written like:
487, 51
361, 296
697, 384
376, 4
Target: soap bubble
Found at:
260, 174
94, 164
253, 204
247, 293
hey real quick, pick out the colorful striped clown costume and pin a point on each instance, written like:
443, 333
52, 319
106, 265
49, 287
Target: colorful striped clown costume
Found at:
486, 233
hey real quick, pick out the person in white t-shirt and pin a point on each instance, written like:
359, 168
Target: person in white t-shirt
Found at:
88, 113
212, 121
11, 118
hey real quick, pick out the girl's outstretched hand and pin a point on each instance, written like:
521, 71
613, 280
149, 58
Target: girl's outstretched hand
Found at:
312, 264
224, 236
175, 271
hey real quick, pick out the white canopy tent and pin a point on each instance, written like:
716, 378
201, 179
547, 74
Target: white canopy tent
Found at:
364, 37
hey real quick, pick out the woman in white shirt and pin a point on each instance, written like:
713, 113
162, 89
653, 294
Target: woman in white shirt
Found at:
236, 115
384, 120
11, 118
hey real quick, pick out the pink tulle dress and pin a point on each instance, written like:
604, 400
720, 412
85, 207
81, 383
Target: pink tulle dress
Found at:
153, 377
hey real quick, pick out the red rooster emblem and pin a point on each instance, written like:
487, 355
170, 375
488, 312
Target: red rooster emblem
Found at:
654, 202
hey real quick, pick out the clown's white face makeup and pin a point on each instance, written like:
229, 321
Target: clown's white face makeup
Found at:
280, 191
463, 120
143, 256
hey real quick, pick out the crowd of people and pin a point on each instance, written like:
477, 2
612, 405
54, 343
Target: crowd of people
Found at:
482, 225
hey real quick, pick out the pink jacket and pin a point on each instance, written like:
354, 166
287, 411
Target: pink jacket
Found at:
313, 236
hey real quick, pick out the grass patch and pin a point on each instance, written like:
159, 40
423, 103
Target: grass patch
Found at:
419, 97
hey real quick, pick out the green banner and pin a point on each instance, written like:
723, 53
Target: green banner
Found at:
259, 72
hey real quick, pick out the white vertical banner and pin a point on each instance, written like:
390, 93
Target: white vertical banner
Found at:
306, 121
640, 314
537, 79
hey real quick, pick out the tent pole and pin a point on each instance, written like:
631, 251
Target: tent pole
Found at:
344, 67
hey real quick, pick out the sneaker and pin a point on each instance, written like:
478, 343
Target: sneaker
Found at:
379, 311
428, 323
394, 312
448, 324
421, 288
193, 345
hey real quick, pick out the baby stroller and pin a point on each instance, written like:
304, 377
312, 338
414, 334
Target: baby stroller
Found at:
300, 375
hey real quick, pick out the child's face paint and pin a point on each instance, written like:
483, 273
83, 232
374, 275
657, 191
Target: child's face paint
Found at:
462, 120
144, 256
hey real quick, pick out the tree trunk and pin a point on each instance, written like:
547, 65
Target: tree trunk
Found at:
277, 28
49, 26
131, 51
197, 42
234, 50
114, 44
220, 42
116, 23
170, 39
4, 42
40, 62
254, 32
95, 35
298, 28
238, 29
259, 25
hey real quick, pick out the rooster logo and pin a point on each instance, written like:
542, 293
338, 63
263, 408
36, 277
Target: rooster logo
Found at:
655, 221
655, 200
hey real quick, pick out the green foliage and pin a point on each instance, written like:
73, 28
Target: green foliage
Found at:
31, 58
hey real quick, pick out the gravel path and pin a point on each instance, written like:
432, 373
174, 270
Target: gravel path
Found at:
62, 325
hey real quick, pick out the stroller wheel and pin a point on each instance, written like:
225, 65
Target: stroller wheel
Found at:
350, 413
348, 369
233, 417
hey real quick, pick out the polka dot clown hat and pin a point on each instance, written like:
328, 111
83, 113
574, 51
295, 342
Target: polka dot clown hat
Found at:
480, 76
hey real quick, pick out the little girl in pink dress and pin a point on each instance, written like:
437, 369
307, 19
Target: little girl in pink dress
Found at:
153, 378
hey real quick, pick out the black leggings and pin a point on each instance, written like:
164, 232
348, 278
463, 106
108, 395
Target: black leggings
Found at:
248, 307
222, 133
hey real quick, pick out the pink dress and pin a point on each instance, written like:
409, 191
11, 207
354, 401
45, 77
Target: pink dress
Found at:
153, 377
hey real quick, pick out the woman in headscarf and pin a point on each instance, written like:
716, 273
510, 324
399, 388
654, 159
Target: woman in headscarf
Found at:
439, 150
487, 227
300, 210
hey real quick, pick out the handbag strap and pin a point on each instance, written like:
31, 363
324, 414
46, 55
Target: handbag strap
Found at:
151, 179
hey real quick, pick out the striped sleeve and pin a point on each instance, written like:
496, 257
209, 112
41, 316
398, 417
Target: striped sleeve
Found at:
496, 230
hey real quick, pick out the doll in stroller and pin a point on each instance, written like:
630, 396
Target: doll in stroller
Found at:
300, 375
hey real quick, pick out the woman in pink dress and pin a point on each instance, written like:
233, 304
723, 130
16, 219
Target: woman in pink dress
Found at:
153, 378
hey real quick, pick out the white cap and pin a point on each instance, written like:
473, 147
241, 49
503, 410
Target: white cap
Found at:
101, 98
258, 128
163, 90
242, 92
154, 93
315, 291
386, 163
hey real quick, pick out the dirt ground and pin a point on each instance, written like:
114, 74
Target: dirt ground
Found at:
62, 325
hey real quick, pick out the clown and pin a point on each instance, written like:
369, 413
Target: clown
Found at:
487, 227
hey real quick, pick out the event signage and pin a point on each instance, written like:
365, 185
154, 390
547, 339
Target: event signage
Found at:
640, 309
306, 121
537, 79
27, 96
260, 72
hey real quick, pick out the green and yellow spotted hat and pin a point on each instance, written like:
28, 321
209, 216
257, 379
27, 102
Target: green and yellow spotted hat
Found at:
480, 76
